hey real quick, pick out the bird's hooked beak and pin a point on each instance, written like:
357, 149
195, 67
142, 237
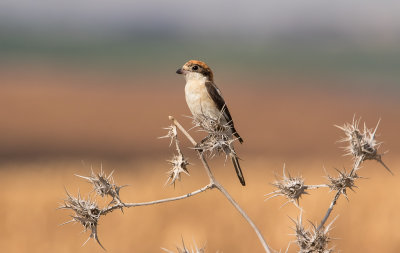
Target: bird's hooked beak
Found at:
180, 71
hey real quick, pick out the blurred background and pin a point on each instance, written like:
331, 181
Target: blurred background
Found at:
90, 83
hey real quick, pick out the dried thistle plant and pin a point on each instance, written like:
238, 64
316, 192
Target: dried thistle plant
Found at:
178, 162
183, 249
172, 134
290, 187
362, 144
343, 181
104, 185
313, 239
179, 166
86, 212
219, 136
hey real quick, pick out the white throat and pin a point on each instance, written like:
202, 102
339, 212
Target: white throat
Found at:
194, 76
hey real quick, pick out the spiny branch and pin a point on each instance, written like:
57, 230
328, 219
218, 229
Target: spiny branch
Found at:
342, 189
102, 184
217, 185
362, 146
117, 206
329, 211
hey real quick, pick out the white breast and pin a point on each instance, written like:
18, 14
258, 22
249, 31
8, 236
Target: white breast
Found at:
199, 101
194, 90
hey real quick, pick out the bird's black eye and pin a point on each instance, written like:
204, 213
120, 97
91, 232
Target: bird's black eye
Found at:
195, 67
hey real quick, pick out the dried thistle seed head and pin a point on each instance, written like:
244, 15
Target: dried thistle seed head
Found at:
104, 185
179, 165
178, 162
86, 212
183, 249
312, 240
172, 133
343, 181
290, 187
362, 144
219, 139
217, 144
211, 125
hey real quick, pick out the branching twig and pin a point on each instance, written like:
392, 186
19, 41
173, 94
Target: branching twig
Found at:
345, 181
176, 123
217, 185
329, 211
102, 184
293, 188
362, 146
112, 208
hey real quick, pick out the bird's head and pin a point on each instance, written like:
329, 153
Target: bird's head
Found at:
194, 69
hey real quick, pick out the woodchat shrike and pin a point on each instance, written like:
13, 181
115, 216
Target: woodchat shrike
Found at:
205, 100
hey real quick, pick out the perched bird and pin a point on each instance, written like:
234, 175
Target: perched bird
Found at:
205, 99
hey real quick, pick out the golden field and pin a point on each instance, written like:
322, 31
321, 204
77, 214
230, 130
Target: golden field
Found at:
31, 193
53, 127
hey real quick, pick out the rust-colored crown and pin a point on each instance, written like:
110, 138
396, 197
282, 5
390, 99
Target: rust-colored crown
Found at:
204, 68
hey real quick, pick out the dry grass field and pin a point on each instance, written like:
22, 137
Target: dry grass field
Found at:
52, 127
31, 192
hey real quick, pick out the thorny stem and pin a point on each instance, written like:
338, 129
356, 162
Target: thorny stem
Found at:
317, 186
356, 166
330, 209
216, 184
245, 216
207, 168
176, 123
121, 205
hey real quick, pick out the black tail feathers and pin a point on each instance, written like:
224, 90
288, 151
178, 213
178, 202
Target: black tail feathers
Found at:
238, 170
237, 136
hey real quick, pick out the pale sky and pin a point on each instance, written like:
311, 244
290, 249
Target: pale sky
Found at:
261, 18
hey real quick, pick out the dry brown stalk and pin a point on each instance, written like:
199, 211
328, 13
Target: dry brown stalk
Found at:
362, 146
217, 185
104, 185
